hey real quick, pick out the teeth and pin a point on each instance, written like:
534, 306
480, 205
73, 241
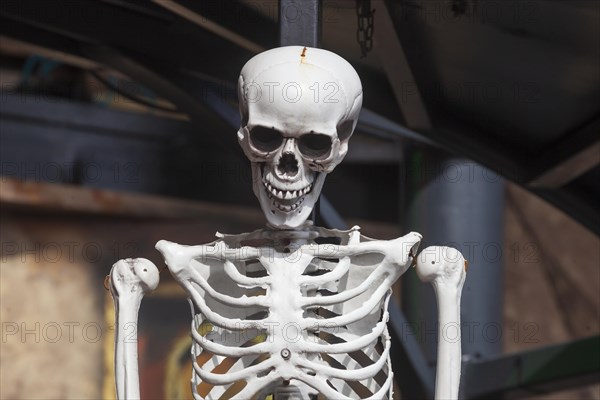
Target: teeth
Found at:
285, 207
273, 192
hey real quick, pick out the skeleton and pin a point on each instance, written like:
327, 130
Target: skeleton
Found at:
294, 310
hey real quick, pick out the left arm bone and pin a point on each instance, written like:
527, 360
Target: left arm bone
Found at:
446, 269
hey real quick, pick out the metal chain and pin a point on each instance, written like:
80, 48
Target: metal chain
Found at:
364, 34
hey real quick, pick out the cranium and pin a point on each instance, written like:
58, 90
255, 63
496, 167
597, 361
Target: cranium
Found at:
299, 107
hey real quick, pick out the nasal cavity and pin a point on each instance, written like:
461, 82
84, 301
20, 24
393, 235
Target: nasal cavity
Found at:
288, 165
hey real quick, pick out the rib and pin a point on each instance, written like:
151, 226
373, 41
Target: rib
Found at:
386, 387
226, 379
320, 385
243, 280
229, 351
359, 356
243, 301
345, 295
357, 313
358, 387
233, 389
337, 273
349, 375
347, 347
232, 324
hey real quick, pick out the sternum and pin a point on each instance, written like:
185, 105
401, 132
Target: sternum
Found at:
285, 312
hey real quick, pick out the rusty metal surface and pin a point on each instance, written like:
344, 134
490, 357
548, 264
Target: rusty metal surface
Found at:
76, 199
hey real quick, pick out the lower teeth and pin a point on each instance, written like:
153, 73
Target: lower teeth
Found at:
286, 208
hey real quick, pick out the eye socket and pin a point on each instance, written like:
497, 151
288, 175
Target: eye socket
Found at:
344, 130
265, 139
314, 145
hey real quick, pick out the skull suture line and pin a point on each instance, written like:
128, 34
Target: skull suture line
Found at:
299, 107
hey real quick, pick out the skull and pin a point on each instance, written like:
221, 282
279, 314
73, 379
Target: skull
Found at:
299, 107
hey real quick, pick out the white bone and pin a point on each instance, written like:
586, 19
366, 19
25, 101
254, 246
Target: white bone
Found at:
130, 279
351, 375
285, 302
230, 351
215, 318
325, 99
349, 346
292, 143
346, 295
446, 269
223, 379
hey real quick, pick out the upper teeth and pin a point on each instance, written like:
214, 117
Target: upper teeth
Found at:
286, 194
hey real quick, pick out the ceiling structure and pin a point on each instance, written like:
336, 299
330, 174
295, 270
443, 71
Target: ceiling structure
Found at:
511, 85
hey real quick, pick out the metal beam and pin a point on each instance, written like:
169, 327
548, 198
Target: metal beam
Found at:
372, 151
300, 22
170, 88
59, 197
398, 71
569, 169
86, 21
206, 23
568, 159
173, 86
8, 45
377, 125
541, 370
88, 117
575, 201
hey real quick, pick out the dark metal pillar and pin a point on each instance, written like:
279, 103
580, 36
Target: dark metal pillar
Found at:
300, 22
455, 202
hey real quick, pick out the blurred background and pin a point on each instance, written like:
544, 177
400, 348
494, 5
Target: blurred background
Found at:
118, 123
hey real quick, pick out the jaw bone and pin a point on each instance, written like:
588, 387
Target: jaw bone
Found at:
446, 269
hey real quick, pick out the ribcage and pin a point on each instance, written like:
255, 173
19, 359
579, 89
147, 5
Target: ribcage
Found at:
310, 321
